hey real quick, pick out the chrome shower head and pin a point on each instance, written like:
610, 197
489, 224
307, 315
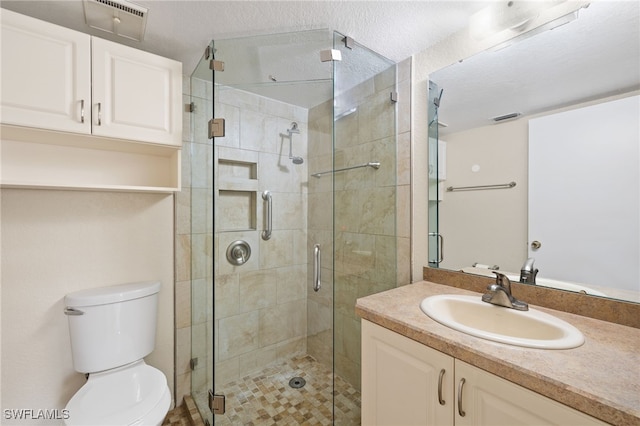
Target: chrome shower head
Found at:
293, 129
290, 132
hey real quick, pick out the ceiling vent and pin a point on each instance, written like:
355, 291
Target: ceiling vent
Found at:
119, 17
506, 117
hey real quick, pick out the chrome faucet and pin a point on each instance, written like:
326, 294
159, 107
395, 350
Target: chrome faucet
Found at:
528, 272
500, 294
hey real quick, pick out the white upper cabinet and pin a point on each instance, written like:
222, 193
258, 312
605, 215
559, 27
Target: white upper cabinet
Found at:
79, 112
46, 75
136, 95
59, 79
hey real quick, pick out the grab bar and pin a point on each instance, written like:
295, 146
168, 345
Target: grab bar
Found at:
266, 234
372, 164
440, 247
472, 188
316, 267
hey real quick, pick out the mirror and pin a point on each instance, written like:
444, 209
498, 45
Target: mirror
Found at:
590, 61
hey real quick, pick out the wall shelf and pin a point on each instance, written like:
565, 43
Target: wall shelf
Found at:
37, 158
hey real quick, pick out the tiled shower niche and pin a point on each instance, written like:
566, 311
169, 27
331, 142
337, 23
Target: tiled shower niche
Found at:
238, 186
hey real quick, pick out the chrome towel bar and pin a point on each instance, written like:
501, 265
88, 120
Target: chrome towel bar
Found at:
372, 164
473, 188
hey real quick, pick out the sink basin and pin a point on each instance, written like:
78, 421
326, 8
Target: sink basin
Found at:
531, 329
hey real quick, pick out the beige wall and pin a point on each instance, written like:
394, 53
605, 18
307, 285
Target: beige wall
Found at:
55, 242
498, 220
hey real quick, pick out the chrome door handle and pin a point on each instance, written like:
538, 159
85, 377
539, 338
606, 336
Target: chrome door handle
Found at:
73, 311
82, 111
440, 400
440, 246
99, 114
316, 267
266, 234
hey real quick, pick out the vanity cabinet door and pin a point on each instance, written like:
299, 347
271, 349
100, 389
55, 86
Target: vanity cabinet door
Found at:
489, 400
401, 378
136, 95
46, 75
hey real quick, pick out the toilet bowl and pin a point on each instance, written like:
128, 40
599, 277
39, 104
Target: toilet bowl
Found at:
112, 329
136, 394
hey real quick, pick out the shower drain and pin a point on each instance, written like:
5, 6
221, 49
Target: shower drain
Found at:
297, 382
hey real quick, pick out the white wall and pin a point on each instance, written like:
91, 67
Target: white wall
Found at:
591, 154
56, 242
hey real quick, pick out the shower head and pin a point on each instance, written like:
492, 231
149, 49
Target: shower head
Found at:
293, 129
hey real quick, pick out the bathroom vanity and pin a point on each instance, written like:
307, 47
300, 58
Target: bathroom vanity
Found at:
417, 371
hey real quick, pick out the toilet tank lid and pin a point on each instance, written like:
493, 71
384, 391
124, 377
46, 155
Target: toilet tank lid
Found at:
111, 294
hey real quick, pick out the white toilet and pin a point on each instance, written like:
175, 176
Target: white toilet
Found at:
112, 329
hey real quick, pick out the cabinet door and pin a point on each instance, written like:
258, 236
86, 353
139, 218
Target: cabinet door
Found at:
46, 75
491, 400
400, 380
136, 95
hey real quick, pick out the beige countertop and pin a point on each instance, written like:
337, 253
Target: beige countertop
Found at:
600, 378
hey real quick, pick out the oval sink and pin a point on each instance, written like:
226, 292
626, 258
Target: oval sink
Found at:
531, 329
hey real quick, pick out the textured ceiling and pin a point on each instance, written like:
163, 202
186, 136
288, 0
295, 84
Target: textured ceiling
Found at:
594, 56
182, 29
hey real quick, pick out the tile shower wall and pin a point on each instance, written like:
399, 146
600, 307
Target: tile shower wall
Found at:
260, 311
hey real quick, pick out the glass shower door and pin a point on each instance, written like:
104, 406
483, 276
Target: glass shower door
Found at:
364, 203
262, 359
436, 240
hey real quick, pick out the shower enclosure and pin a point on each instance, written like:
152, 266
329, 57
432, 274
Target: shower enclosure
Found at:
293, 216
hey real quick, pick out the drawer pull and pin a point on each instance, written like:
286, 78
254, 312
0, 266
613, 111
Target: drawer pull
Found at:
440, 400
460, 386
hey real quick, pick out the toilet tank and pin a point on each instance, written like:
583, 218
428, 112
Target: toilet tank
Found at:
112, 326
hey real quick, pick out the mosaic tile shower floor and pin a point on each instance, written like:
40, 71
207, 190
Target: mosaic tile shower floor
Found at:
265, 398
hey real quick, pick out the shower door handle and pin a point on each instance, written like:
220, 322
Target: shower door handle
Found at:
316, 267
266, 234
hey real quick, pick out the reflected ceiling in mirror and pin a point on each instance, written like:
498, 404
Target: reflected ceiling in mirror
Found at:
592, 57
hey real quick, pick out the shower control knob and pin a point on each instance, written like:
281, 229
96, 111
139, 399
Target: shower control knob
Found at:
238, 252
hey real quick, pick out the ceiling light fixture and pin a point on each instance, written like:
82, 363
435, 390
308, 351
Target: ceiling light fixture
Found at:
506, 15
542, 28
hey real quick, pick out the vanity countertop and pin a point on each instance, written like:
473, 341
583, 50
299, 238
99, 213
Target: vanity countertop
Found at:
600, 378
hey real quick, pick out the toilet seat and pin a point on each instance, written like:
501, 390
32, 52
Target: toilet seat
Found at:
135, 394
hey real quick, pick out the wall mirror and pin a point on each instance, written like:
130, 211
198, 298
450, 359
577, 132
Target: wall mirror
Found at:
590, 61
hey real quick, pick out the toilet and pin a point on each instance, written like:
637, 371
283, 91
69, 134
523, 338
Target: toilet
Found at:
112, 329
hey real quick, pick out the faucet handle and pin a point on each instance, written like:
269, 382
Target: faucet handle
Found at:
503, 281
